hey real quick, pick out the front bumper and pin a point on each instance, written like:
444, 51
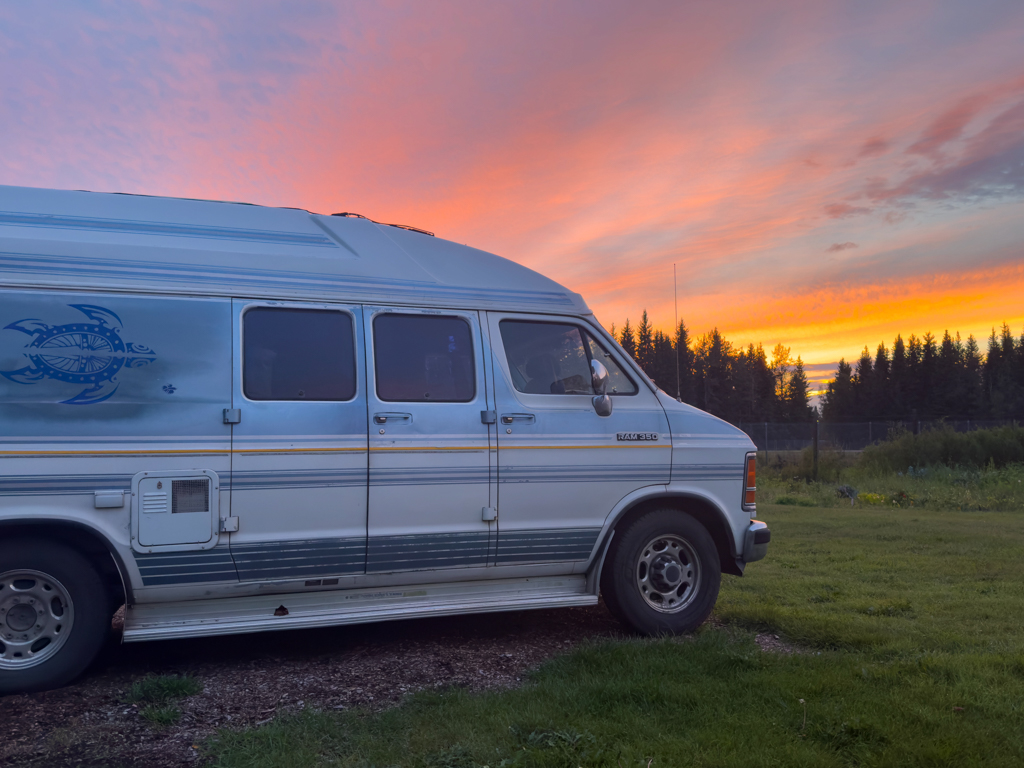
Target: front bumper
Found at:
755, 542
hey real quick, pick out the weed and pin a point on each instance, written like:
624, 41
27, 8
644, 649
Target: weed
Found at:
159, 689
158, 693
161, 714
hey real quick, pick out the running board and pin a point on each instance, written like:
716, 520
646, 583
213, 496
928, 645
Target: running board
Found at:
262, 613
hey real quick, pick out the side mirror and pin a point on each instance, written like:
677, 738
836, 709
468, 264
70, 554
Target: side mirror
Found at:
599, 375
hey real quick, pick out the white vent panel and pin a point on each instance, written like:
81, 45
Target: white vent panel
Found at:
175, 509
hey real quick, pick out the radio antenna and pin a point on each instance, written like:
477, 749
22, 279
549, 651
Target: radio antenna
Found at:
675, 304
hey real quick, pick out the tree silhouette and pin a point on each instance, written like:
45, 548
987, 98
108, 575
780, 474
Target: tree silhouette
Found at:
645, 343
929, 379
919, 378
627, 340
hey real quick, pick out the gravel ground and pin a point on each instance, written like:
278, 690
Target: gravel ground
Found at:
249, 679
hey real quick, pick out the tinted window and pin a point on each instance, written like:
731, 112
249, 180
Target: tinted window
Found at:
546, 358
423, 359
298, 354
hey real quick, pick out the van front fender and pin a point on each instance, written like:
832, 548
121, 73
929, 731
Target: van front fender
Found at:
728, 531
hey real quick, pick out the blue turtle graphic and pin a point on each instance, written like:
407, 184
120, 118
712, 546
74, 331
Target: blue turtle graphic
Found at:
83, 354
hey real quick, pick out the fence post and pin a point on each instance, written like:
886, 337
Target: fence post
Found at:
766, 438
870, 440
815, 439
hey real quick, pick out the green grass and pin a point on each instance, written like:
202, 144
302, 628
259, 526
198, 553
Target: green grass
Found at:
161, 714
913, 626
158, 693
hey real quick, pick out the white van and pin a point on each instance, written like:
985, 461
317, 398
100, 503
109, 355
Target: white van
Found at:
231, 418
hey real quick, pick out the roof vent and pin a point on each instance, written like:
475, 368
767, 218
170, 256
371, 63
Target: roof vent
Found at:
349, 215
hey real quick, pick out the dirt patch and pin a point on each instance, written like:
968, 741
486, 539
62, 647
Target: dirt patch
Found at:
250, 679
774, 644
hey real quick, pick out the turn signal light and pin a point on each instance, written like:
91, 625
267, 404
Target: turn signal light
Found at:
750, 484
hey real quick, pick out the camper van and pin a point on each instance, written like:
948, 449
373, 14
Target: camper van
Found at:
230, 418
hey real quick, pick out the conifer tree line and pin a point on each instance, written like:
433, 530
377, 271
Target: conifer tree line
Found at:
735, 384
926, 379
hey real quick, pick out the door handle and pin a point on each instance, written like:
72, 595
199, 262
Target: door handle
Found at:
387, 418
525, 418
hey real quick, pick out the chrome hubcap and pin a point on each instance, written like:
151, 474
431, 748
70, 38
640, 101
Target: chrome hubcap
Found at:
668, 573
36, 615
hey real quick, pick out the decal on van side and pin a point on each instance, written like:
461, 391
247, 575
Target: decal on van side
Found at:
82, 354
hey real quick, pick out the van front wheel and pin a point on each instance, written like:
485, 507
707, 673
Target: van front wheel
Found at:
54, 615
662, 574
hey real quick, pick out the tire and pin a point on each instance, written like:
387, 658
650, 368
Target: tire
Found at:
662, 573
54, 615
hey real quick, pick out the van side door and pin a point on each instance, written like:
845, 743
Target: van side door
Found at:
430, 448
298, 450
562, 467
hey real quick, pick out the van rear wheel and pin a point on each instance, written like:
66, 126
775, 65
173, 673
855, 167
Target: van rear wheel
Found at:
662, 574
54, 615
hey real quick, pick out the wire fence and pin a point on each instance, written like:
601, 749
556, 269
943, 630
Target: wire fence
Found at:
768, 436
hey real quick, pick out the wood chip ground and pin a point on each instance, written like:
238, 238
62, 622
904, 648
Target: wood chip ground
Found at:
250, 679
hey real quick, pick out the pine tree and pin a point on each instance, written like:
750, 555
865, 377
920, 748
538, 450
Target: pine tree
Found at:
863, 387
898, 380
664, 363
837, 404
645, 344
992, 369
713, 361
881, 401
796, 394
685, 387
949, 382
974, 381
755, 387
627, 340
930, 406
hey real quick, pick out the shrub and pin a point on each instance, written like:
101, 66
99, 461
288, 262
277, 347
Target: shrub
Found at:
981, 448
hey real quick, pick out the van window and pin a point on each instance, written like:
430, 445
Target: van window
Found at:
554, 359
298, 354
423, 359
618, 382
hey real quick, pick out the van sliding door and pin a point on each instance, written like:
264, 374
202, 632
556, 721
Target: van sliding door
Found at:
430, 460
298, 473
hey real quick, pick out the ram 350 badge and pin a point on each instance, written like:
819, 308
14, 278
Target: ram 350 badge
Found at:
632, 437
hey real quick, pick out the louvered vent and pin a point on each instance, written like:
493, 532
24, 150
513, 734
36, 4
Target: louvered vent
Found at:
153, 503
190, 495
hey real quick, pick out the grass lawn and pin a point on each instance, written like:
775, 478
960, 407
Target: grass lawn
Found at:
913, 623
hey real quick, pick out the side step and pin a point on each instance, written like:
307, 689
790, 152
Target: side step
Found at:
262, 613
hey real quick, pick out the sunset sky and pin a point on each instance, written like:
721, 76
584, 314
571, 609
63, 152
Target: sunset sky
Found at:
823, 174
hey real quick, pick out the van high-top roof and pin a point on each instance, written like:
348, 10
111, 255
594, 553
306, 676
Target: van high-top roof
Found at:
99, 241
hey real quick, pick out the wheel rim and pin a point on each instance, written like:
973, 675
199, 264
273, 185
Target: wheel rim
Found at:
36, 616
668, 573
